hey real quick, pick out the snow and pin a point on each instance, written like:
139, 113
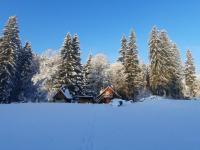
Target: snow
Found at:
152, 124
116, 102
66, 93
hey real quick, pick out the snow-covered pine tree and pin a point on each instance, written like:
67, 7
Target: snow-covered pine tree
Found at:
176, 71
15, 42
27, 71
166, 62
190, 77
132, 68
9, 51
65, 71
14, 32
123, 49
77, 77
88, 78
158, 55
154, 49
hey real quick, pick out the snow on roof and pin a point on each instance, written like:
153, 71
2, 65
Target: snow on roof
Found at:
66, 93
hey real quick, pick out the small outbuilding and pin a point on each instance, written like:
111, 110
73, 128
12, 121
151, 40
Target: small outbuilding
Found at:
63, 95
106, 95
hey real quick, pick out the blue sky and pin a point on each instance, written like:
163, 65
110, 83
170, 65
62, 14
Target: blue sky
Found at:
100, 24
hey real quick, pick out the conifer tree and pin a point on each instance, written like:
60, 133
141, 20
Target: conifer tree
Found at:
78, 69
65, 69
176, 72
9, 52
88, 77
159, 61
13, 30
154, 49
27, 71
123, 50
190, 77
132, 68
166, 62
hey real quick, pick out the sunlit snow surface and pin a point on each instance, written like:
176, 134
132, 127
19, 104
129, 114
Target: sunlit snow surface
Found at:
148, 125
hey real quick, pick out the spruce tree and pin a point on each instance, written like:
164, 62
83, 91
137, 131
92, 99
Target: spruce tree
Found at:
190, 77
78, 69
176, 72
132, 68
27, 72
123, 50
13, 30
154, 49
65, 71
10, 45
166, 62
159, 61
88, 78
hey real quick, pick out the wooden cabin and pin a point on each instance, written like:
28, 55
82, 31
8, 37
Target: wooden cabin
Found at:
84, 99
106, 95
62, 95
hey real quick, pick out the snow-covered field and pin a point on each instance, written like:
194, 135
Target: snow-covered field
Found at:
148, 125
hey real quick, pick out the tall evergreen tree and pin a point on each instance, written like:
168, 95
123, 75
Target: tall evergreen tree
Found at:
176, 73
132, 68
123, 50
154, 49
159, 61
27, 71
190, 77
14, 30
78, 69
167, 63
88, 77
65, 69
9, 52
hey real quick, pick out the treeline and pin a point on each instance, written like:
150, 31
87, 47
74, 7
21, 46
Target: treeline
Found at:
25, 76
167, 74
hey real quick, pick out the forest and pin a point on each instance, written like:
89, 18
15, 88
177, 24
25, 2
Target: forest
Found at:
28, 77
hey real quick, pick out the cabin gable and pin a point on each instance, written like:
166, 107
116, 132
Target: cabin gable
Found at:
107, 95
